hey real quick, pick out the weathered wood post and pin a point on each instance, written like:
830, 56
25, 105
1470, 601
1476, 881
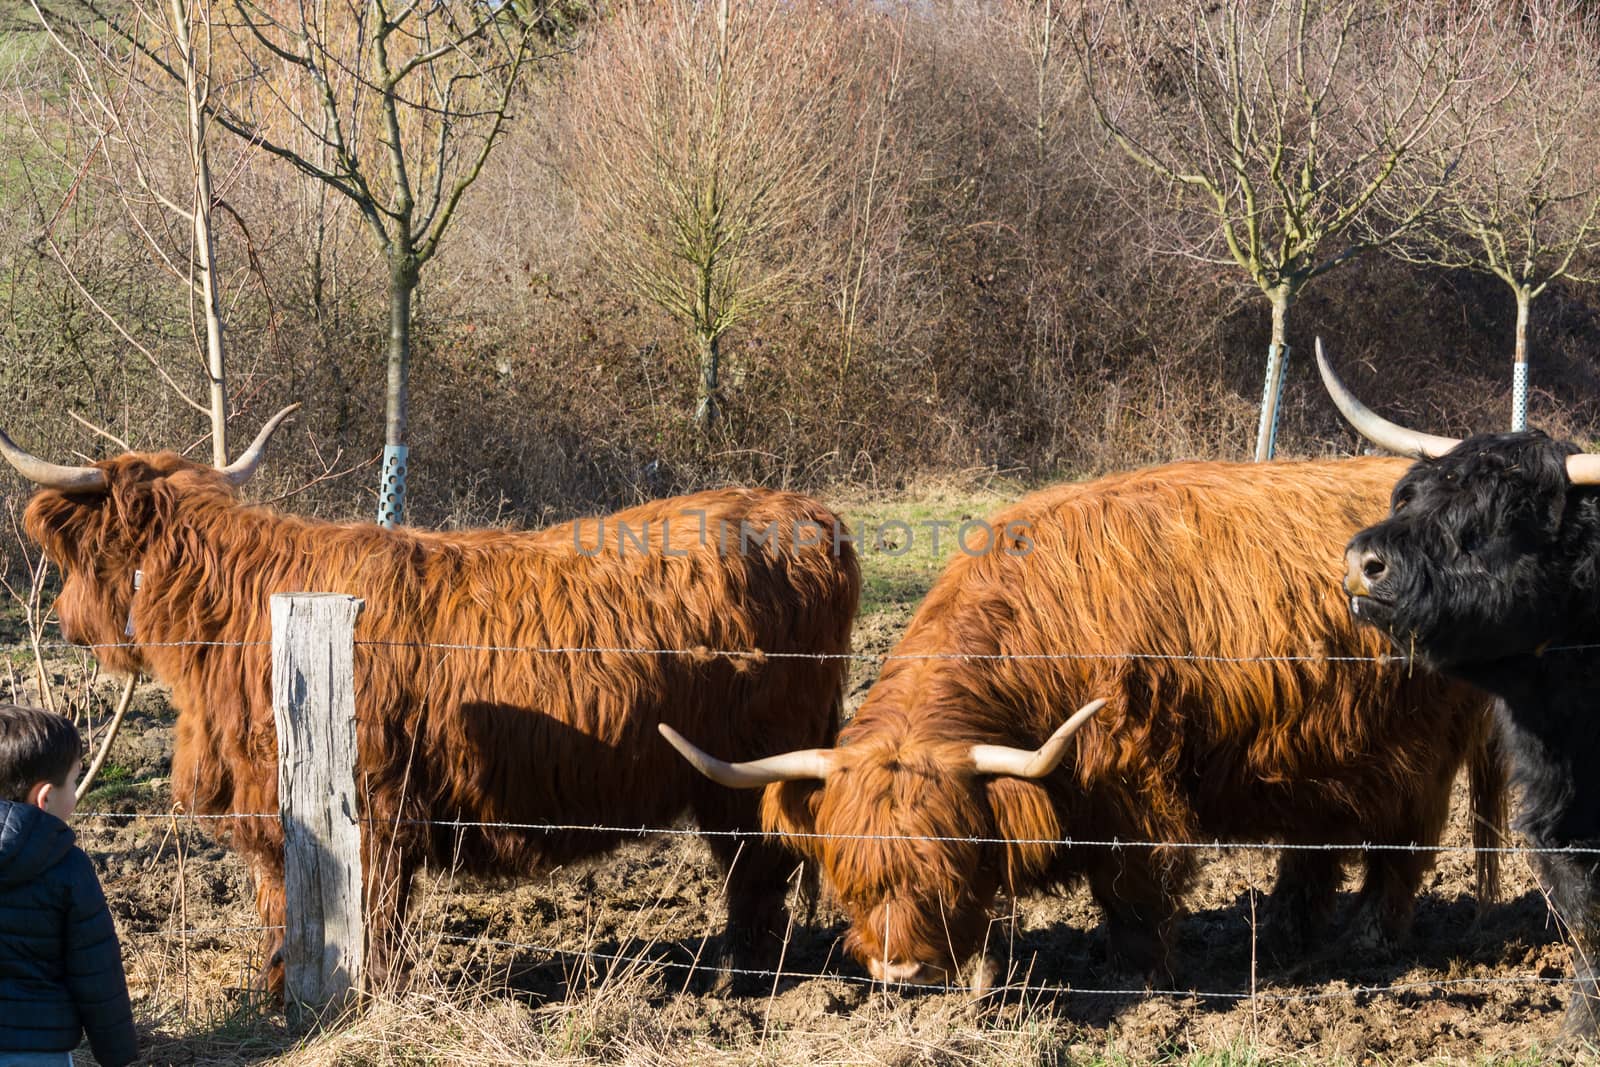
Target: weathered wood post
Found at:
313, 700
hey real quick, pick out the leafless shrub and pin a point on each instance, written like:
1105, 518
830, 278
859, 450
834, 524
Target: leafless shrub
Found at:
1512, 171
1275, 125
707, 146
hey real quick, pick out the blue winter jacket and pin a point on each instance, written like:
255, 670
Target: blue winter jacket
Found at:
60, 964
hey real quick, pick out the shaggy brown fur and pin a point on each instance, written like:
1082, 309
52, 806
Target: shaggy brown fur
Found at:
1192, 559
464, 734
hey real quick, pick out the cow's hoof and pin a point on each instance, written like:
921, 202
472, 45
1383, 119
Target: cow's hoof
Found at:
1136, 951
723, 982
268, 982
1367, 934
982, 977
740, 969
1295, 929
1284, 944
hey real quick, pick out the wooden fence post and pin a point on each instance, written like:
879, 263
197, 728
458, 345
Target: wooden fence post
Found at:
313, 701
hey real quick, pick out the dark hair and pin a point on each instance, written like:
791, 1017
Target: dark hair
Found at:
35, 746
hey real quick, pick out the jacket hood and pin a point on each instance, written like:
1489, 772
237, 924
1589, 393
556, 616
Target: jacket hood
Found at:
31, 841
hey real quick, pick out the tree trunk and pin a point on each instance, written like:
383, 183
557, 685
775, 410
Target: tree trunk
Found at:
392, 475
205, 246
708, 408
1519, 365
1277, 360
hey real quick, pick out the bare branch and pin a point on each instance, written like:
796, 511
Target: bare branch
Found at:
107, 434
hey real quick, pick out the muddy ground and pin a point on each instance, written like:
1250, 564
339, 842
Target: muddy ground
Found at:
659, 899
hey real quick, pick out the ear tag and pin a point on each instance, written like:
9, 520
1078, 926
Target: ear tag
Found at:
138, 580
1541, 649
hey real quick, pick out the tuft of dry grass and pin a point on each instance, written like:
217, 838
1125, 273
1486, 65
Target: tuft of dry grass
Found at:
626, 1022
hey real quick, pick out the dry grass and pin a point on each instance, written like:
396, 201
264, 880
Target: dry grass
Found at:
625, 1020
474, 1001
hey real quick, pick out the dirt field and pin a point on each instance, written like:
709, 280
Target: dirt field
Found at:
543, 951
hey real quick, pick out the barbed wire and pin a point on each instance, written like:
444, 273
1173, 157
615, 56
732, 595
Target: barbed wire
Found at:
168, 816
1273, 996
1113, 843
198, 931
620, 959
756, 654
761, 654
1255, 996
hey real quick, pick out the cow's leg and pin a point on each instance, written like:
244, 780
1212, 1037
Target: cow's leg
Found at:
1301, 904
389, 867
1139, 891
1557, 811
260, 844
758, 873
1388, 898
269, 978
1570, 884
388, 891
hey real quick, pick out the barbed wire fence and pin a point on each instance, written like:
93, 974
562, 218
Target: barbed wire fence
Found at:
846, 974
178, 929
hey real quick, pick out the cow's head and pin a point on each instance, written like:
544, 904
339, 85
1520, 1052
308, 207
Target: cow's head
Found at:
914, 839
97, 523
1487, 551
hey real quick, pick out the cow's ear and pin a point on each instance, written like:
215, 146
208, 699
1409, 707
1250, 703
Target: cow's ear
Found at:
1024, 816
790, 808
64, 526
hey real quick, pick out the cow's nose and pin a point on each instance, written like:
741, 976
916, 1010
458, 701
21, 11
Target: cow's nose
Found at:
898, 971
1363, 568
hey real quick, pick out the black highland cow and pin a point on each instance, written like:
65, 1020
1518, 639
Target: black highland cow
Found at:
1488, 569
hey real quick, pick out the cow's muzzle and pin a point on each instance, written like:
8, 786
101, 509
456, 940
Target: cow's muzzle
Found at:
908, 972
978, 980
1364, 568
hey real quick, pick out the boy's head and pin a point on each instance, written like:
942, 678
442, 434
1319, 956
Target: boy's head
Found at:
40, 757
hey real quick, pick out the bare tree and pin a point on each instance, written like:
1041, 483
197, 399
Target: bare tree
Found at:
1040, 31
196, 89
121, 122
403, 104
871, 216
1523, 203
705, 137
1275, 124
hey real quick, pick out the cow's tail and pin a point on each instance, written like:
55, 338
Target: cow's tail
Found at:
1488, 781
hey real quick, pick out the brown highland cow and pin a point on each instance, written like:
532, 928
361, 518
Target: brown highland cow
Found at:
1195, 599
478, 733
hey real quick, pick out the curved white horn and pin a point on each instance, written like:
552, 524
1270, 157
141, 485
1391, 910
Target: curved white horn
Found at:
1033, 763
1380, 431
53, 475
239, 471
793, 766
1584, 469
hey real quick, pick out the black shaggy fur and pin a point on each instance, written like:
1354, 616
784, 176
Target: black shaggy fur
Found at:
1487, 569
